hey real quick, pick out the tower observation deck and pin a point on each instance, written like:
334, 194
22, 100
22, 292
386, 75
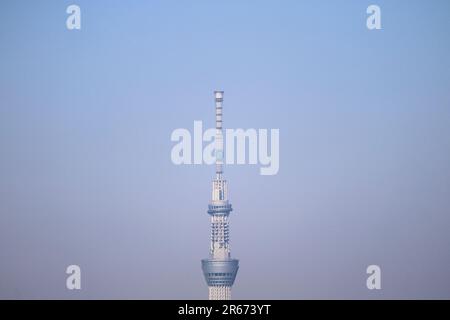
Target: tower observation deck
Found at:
219, 269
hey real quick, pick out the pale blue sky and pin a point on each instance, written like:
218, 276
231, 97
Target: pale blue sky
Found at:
85, 124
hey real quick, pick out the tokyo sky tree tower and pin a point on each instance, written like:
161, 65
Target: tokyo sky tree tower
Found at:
219, 269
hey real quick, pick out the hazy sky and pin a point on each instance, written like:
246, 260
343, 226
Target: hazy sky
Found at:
86, 176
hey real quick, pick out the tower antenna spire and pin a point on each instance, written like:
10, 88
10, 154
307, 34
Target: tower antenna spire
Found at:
219, 132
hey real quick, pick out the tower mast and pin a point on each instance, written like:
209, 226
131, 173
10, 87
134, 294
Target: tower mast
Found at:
219, 269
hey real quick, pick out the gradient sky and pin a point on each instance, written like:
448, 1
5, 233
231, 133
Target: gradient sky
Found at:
86, 176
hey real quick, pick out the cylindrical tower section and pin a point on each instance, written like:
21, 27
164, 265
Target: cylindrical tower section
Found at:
220, 248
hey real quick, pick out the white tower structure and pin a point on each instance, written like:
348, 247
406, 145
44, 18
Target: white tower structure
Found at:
219, 269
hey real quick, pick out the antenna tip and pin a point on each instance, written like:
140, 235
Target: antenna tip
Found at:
218, 94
